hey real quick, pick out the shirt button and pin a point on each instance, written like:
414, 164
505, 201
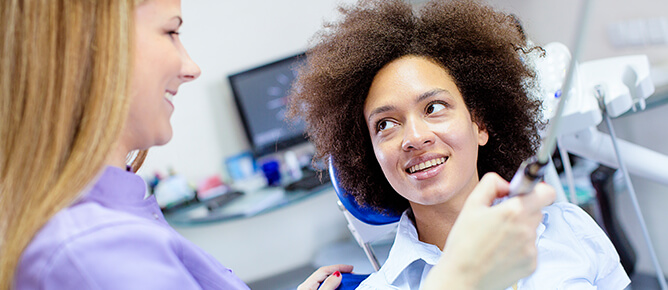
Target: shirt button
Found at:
155, 215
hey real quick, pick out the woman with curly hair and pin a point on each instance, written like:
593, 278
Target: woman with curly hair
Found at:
415, 108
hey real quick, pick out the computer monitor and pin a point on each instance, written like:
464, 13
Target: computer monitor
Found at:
261, 95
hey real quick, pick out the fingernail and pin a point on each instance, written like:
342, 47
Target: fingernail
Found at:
337, 274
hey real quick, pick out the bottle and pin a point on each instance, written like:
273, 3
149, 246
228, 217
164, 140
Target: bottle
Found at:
292, 164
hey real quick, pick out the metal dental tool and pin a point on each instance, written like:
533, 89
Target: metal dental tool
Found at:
532, 170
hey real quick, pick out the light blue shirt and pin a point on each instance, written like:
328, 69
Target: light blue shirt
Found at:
573, 253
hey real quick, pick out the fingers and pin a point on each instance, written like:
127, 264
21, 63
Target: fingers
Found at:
527, 208
320, 275
344, 268
490, 187
542, 196
331, 282
493, 186
533, 202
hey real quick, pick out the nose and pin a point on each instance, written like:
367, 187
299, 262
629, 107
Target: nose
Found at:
189, 69
417, 136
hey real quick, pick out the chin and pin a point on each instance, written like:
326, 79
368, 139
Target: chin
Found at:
163, 141
431, 195
434, 199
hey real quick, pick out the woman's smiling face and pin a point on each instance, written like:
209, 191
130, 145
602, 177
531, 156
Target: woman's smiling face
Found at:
422, 133
161, 65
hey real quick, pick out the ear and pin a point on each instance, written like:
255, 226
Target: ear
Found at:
483, 135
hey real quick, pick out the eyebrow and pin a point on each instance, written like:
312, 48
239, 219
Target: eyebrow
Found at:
430, 94
420, 98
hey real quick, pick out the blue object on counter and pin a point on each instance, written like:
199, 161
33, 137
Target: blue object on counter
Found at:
241, 166
272, 171
351, 281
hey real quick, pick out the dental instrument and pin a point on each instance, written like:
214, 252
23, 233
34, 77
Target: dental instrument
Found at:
532, 170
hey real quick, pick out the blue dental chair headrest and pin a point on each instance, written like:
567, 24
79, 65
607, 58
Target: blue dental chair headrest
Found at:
362, 213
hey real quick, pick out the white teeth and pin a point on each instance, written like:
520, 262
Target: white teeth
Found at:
426, 164
169, 96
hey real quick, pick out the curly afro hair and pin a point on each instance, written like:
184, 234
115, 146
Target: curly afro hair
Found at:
482, 49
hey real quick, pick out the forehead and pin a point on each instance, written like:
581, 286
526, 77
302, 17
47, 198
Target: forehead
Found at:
405, 78
154, 9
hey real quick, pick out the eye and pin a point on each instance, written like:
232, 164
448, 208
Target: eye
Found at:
384, 125
173, 33
434, 107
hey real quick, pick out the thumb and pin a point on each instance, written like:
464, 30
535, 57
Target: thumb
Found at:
490, 187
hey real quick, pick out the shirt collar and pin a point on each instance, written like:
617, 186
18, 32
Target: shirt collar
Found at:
122, 190
115, 186
543, 224
407, 247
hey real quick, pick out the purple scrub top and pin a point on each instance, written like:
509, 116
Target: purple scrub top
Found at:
113, 238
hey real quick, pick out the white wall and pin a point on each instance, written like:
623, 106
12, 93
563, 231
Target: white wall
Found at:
546, 21
225, 37
549, 20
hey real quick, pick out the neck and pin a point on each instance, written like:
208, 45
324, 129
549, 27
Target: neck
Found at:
117, 157
434, 222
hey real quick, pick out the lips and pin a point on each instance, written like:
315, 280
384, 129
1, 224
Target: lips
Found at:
169, 96
426, 165
424, 162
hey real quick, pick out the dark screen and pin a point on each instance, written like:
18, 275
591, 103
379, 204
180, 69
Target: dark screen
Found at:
261, 94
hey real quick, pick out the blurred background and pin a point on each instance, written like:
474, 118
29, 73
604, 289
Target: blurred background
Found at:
273, 246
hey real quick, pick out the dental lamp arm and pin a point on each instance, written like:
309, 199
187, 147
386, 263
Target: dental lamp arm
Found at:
597, 146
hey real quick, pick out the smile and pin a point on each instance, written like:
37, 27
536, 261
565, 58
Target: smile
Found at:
169, 96
426, 165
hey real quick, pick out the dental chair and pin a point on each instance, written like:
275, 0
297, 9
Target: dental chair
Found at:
365, 224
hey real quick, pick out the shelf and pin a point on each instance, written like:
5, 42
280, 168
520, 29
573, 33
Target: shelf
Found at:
247, 205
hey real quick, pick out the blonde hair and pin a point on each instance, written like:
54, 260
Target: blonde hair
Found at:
64, 80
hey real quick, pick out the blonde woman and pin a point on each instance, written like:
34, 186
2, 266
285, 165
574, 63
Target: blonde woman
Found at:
84, 83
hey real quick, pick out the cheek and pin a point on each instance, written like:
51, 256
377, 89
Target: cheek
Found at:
463, 142
143, 80
458, 133
381, 155
142, 98
387, 156
156, 59
140, 111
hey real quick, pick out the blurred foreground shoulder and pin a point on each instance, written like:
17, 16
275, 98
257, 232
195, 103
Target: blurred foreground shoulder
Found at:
119, 252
